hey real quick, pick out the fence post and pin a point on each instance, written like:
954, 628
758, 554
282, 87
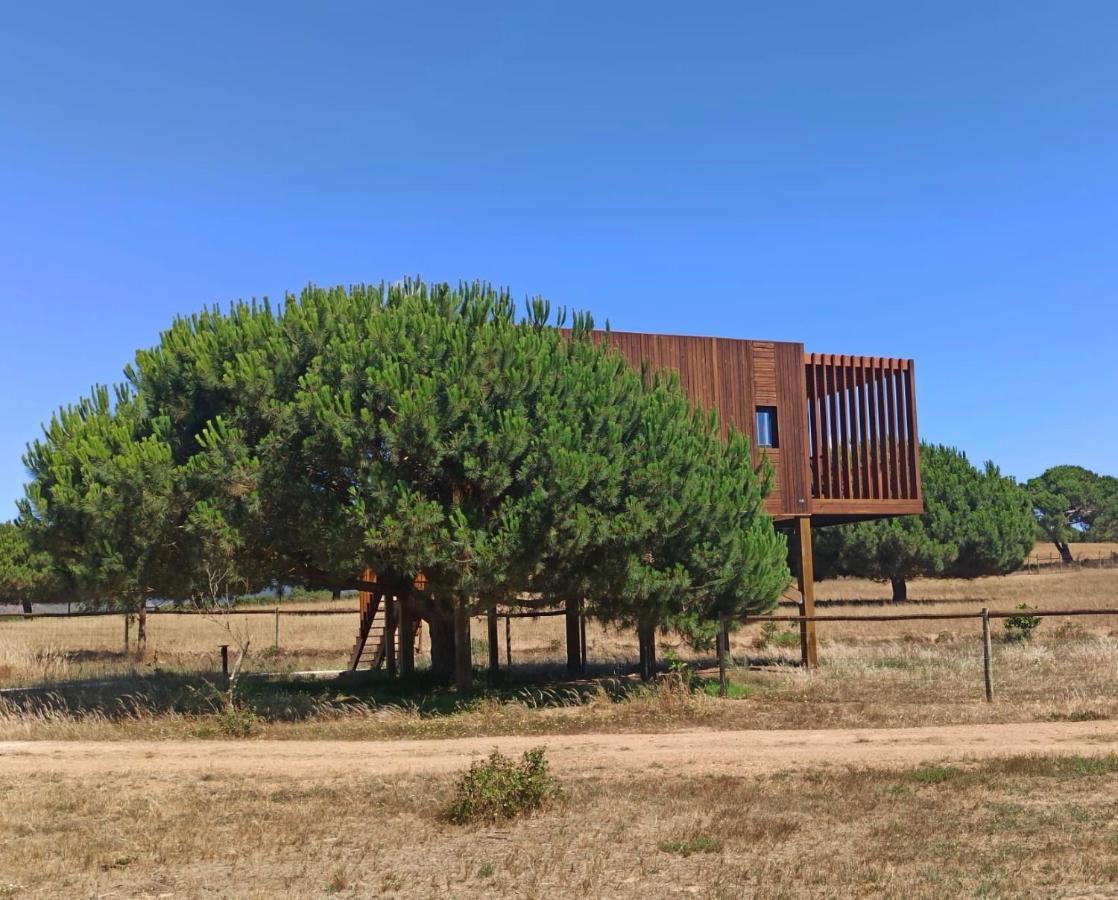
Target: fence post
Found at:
277, 628
225, 660
126, 624
582, 632
986, 655
508, 640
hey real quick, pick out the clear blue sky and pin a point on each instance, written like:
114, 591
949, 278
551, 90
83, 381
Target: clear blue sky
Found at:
937, 181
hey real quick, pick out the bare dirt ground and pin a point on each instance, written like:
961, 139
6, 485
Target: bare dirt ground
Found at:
696, 752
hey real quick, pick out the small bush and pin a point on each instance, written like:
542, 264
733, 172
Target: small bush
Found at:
238, 721
501, 788
771, 634
1021, 628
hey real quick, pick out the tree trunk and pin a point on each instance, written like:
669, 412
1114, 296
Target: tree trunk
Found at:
441, 624
335, 594
142, 626
1065, 552
574, 639
27, 607
900, 590
463, 658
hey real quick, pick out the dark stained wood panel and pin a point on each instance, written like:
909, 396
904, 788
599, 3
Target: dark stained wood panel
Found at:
848, 446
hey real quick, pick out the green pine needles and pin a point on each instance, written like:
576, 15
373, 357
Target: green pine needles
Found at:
408, 428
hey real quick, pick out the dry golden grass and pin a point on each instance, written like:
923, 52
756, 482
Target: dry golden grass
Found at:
1061, 675
88, 648
1034, 826
872, 673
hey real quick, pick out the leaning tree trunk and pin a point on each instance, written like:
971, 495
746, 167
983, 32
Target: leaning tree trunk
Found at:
900, 590
1065, 552
142, 626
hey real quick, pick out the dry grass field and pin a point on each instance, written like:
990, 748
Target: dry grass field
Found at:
1016, 826
873, 674
667, 789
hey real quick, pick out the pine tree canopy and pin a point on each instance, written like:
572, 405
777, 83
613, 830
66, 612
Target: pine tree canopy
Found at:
1071, 503
976, 522
409, 428
26, 576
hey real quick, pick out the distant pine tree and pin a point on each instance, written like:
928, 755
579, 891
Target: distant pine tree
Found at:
1071, 503
976, 522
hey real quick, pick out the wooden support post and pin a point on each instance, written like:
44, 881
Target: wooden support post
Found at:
647, 638
494, 641
390, 635
407, 639
582, 632
127, 622
805, 575
463, 652
225, 660
277, 629
574, 649
986, 649
508, 640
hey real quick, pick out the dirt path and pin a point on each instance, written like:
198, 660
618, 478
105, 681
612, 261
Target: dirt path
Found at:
695, 752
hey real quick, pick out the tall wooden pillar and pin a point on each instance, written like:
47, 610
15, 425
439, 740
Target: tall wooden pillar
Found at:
407, 638
574, 638
494, 641
805, 575
390, 634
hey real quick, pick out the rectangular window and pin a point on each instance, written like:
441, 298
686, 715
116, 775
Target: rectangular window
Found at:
765, 431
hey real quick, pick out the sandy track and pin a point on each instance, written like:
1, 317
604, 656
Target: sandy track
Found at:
693, 752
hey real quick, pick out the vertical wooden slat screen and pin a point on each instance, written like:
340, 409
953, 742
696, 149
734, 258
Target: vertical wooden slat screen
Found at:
861, 428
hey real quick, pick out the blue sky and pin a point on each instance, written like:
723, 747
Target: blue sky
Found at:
936, 181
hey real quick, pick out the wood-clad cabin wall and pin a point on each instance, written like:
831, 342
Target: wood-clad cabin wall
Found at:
735, 377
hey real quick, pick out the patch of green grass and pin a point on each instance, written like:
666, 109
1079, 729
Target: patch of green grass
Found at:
934, 774
734, 690
700, 843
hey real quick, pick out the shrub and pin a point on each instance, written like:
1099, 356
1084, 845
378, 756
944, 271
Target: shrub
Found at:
1020, 628
501, 788
772, 634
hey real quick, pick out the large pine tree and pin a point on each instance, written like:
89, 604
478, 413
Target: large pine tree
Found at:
410, 429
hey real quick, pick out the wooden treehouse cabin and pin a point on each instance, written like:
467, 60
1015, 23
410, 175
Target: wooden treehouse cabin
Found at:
839, 431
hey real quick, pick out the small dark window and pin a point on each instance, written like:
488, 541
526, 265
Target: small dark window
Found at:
765, 432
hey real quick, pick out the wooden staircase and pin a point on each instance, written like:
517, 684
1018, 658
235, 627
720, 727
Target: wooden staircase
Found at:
370, 650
